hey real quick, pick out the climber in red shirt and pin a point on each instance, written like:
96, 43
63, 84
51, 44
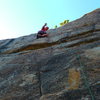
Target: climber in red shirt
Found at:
42, 32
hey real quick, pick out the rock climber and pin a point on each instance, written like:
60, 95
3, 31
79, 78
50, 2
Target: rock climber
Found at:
42, 32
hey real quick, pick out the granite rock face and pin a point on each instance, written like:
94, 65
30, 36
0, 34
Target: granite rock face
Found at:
63, 66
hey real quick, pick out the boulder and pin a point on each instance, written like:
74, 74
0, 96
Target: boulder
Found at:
63, 66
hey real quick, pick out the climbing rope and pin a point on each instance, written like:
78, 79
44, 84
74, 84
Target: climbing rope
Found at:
83, 73
85, 78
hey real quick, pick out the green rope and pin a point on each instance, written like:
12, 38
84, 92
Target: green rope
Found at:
84, 75
85, 78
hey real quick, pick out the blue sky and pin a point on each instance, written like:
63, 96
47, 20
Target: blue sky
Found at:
24, 17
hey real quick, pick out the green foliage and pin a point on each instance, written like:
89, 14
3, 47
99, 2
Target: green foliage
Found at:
62, 23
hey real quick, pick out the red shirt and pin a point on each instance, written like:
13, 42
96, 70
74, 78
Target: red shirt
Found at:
43, 28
